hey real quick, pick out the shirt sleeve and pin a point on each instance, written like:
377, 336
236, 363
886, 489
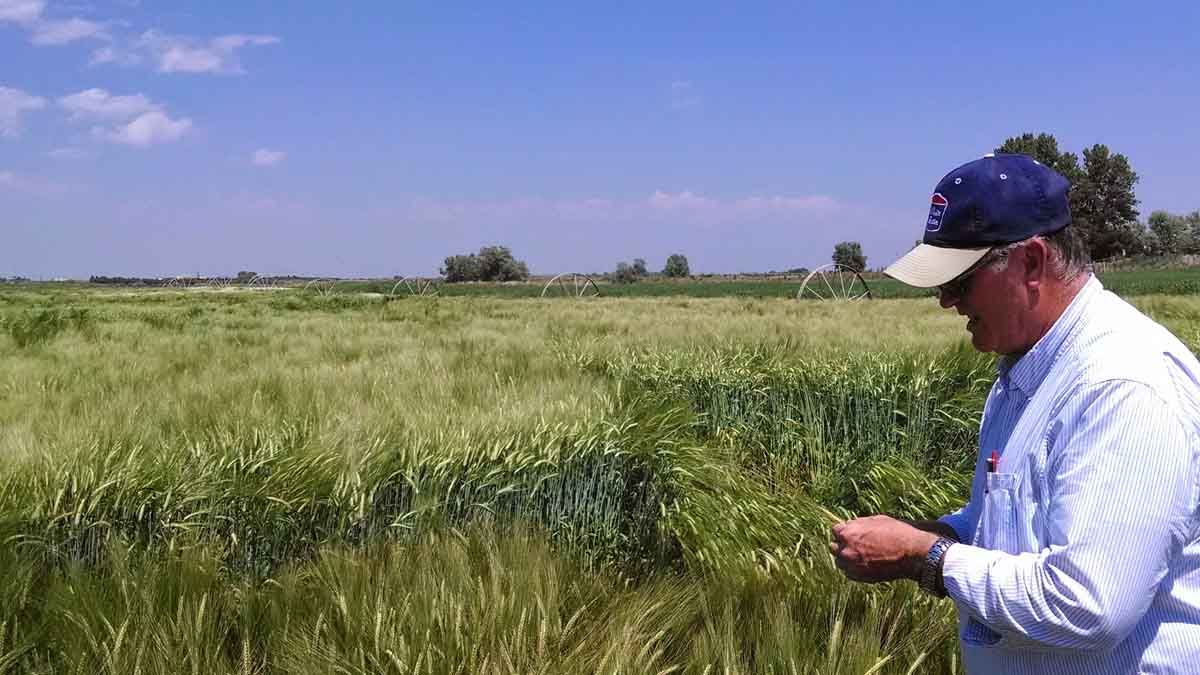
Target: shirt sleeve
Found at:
1121, 487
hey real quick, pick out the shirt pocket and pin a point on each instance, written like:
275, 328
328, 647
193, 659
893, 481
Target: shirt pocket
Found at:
998, 526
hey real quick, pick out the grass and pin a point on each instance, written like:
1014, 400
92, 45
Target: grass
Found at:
286, 482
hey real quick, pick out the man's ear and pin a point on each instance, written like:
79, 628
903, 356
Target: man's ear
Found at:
1036, 256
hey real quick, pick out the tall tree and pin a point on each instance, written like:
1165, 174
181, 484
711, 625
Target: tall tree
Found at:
850, 254
458, 268
677, 266
1103, 201
625, 273
492, 263
496, 263
1193, 221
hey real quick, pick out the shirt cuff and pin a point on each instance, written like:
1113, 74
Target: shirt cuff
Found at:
962, 564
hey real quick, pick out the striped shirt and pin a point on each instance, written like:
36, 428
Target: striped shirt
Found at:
1084, 543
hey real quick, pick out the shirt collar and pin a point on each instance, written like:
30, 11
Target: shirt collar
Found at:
1026, 372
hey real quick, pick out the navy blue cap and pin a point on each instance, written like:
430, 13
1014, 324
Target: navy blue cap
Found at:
997, 199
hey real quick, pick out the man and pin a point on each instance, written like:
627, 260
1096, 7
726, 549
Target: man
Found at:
1079, 550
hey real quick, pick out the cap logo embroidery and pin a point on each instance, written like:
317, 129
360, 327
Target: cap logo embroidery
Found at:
937, 209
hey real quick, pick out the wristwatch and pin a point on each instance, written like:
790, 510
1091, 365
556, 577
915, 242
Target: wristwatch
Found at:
931, 572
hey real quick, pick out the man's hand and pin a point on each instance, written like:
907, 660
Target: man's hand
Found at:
879, 548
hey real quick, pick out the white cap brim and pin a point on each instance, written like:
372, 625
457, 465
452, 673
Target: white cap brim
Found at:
927, 266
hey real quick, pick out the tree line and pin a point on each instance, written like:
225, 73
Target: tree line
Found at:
497, 263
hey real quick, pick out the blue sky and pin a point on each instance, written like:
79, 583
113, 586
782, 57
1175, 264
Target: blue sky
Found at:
376, 138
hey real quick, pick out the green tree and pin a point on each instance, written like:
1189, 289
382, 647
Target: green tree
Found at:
458, 268
850, 254
1131, 238
677, 266
1104, 201
625, 273
492, 263
1193, 221
1172, 233
496, 263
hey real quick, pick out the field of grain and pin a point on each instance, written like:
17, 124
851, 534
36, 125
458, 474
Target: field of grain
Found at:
288, 482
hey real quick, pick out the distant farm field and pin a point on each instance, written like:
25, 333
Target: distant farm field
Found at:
1182, 281
243, 481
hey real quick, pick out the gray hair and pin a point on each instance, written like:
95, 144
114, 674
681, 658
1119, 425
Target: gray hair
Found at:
1069, 259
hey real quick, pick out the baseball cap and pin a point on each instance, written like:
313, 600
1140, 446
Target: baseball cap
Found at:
994, 200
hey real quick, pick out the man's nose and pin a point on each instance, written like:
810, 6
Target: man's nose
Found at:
946, 300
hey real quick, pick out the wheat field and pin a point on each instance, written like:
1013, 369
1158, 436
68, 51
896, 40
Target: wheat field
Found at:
287, 482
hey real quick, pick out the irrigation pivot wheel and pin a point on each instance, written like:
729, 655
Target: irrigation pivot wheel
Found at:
571, 285
835, 282
323, 287
260, 281
415, 286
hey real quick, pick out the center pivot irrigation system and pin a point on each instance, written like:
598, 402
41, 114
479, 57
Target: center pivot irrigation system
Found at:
405, 286
834, 282
571, 284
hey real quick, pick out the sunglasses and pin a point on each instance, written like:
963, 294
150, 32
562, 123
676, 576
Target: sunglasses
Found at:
960, 285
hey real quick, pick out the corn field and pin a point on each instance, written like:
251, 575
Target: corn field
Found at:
286, 482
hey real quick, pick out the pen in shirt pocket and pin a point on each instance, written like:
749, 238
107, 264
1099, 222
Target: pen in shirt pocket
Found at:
993, 463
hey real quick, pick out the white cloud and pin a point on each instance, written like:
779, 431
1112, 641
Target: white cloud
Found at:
264, 157
180, 54
14, 102
49, 32
136, 120
682, 200
113, 55
61, 32
21, 11
68, 153
779, 204
33, 186
99, 104
146, 130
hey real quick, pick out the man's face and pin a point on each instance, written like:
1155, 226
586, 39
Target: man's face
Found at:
996, 306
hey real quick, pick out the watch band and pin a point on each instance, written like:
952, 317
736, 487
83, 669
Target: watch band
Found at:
931, 572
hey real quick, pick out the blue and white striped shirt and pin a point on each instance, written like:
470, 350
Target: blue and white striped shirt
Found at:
1084, 545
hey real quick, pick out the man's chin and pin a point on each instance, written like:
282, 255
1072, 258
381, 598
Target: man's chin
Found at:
981, 344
